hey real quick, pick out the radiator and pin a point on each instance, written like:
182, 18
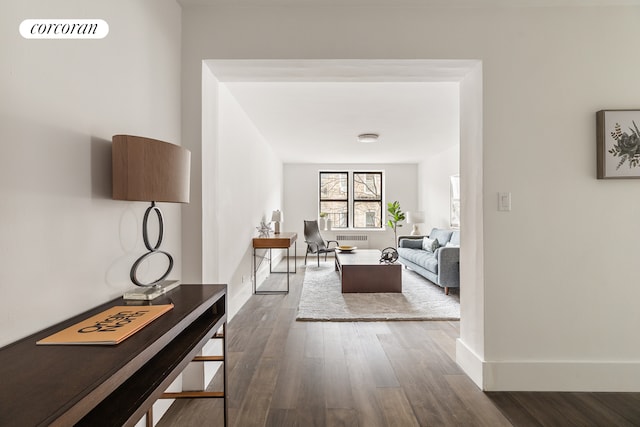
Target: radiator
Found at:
359, 240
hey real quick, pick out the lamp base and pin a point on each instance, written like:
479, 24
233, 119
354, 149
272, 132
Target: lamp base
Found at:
148, 293
416, 230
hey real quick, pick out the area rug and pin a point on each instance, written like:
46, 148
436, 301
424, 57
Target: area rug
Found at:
322, 299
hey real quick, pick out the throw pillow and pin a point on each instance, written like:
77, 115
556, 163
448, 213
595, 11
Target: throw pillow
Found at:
455, 238
430, 245
411, 243
442, 235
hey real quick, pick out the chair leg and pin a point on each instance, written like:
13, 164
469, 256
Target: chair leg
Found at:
305, 257
318, 259
446, 290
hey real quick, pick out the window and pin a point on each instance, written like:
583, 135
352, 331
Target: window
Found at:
334, 197
361, 206
367, 199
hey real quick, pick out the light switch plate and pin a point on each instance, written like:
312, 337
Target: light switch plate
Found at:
504, 202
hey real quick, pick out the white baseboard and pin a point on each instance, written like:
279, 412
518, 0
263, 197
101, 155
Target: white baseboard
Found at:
470, 362
562, 376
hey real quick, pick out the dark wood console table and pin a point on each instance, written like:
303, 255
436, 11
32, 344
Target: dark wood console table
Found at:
98, 385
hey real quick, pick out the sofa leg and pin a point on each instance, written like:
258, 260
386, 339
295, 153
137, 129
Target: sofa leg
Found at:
446, 290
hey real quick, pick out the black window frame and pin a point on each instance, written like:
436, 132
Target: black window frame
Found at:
346, 201
351, 200
354, 200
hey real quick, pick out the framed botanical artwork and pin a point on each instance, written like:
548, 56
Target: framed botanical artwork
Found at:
618, 143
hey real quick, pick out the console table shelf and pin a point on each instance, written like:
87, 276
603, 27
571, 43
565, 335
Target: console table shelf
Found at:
108, 385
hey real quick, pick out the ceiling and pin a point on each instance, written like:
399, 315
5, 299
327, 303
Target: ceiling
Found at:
312, 111
318, 122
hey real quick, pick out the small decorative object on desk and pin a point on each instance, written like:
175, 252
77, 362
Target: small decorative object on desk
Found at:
264, 229
346, 248
389, 255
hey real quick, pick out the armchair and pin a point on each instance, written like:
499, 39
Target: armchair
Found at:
315, 243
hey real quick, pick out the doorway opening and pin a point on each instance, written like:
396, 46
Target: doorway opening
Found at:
467, 74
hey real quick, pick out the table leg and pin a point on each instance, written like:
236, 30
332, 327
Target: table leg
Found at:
288, 272
271, 271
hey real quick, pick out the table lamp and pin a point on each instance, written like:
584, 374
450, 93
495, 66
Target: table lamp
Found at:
416, 218
150, 170
276, 218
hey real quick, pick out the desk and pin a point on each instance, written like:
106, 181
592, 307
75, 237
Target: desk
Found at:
110, 385
282, 240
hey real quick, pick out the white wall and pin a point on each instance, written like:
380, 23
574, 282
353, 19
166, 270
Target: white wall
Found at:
301, 197
65, 245
554, 313
471, 343
250, 189
241, 186
434, 182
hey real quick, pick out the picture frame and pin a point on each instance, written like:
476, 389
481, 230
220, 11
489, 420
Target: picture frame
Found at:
618, 144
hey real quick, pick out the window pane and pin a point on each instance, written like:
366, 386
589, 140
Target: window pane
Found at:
367, 214
367, 186
337, 213
333, 185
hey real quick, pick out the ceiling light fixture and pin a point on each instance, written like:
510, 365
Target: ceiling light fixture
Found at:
368, 137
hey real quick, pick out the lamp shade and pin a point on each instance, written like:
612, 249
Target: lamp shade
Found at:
415, 217
276, 216
150, 170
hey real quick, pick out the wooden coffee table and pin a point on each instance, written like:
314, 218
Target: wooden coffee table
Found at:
362, 271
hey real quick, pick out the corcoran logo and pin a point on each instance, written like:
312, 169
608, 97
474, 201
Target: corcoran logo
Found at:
64, 29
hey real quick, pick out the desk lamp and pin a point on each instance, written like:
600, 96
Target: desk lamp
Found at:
150, 170
276, 218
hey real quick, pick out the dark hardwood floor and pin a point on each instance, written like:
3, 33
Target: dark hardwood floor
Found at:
368, 374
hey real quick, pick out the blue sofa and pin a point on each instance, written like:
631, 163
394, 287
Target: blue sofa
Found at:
438, 262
